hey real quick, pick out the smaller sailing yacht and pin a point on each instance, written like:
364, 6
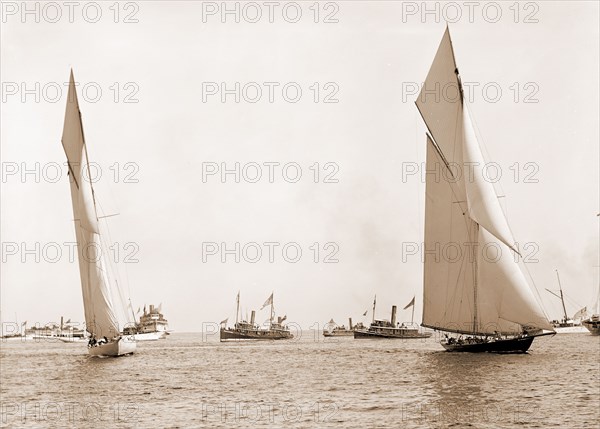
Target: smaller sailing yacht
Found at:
567, 325
101, 297
473, 285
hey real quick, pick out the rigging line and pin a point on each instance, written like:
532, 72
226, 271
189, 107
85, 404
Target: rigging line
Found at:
431, 135
573, 302
127, 283
420, 217
537, 295
112, 267
456, 123
467, 221
111, 263
480, 141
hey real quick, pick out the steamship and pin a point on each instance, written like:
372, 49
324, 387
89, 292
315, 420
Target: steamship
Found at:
593, 324
152, 326
333, 330
66, 332
390, 329
243, 330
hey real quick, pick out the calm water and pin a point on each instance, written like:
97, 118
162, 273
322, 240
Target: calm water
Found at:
190, 381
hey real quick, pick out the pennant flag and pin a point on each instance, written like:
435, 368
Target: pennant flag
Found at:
138, 310
365, 313
144, 308
24, 323
68, 321
224, 322
283, 318
269, 301
410, 304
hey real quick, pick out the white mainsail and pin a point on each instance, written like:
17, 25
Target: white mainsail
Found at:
472, 283
100, 317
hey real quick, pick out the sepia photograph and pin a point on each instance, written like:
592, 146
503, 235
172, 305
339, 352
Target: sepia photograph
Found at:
300, 214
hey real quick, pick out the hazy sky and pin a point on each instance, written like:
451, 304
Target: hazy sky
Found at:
369, 61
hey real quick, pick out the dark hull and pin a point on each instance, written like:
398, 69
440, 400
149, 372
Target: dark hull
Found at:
592, 326
233, 335
338, 333
511, 345
408, 335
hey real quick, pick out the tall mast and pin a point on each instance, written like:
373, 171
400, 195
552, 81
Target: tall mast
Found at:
271, 320
130, 306
562, 299
237, 311
374, 302
475, 284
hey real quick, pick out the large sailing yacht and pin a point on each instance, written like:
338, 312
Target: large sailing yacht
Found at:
484, 299
101, 297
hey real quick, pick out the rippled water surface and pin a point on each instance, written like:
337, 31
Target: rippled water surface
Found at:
191, 380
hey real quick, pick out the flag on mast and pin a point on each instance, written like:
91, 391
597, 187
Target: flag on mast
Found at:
365, 313
269, 301
224, 322
410, 304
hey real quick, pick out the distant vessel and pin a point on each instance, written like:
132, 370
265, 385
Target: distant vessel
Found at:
567, 325
99, 295
65, 332
18, 333
391, 329
466, 291
151, 327
593, 322
251, 331
333, 330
